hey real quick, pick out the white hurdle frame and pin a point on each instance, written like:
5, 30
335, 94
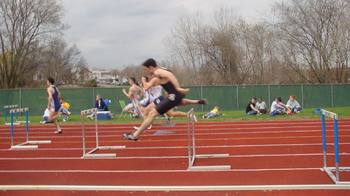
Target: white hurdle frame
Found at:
330, 170
89, 154
28, 144
192, 119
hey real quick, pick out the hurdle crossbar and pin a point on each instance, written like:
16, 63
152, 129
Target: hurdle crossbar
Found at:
27, 144
90, 154
6, 112
337, 169
192, 119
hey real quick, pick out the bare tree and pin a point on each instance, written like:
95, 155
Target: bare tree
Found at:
61, 62
315, 38
184, 39
23, 26
200, 46
228, 47
132, 71
81, 71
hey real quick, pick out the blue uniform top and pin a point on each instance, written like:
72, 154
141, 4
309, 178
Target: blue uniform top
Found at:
55, 99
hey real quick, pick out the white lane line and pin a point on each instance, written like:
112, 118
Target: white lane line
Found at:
204, 139
183, 129
175, 188
124, 126
158, 171
184, 125
105, 133
198, 147
177, 157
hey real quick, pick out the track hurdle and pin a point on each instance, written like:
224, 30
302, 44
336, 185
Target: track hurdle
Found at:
28, 144
6, 112
192, 119
337, 169
90, 154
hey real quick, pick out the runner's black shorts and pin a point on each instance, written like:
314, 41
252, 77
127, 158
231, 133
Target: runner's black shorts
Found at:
164, 104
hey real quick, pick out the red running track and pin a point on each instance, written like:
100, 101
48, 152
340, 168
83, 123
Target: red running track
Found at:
261, 153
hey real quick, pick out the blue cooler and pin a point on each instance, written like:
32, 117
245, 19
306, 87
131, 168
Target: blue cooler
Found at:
104, 115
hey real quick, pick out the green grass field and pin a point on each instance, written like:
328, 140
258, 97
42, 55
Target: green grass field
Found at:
343, 112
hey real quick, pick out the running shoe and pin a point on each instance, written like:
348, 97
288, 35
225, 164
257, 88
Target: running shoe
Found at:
129, 136
58, 131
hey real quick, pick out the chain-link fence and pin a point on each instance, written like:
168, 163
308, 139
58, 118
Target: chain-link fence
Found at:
227, 97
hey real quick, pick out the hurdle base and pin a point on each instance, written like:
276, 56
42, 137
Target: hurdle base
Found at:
110, 147
212, 155
20, 122
100, 156
39, 142
9, 124
90, 155
24, 147
330, 170
210, 168
192, 167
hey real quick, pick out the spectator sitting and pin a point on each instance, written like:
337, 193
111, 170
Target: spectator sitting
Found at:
251, 109
261, 106
100, 104
277, 107
215, 112
293, 105
64, 109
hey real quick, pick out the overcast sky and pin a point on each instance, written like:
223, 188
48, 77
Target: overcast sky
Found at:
115, 33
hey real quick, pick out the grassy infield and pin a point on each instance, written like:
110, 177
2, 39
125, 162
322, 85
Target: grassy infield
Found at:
343, 112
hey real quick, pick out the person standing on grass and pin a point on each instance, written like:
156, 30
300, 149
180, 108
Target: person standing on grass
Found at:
53, 104
170, 84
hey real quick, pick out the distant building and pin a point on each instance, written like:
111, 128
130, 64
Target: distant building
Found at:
102, 77
105, 77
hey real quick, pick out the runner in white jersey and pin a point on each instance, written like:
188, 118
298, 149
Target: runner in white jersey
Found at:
155, 92
134, 94
150, 94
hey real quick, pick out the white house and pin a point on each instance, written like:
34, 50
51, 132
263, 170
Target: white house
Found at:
105, 76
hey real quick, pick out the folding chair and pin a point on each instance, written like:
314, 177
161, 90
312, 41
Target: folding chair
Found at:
122, 106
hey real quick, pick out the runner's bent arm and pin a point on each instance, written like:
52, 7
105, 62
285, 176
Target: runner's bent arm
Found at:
153, 82
176, 83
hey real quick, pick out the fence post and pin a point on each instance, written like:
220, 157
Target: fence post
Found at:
202, 97
269, 94
237, 93
93, 95
20, 98
332, 95
302, 96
